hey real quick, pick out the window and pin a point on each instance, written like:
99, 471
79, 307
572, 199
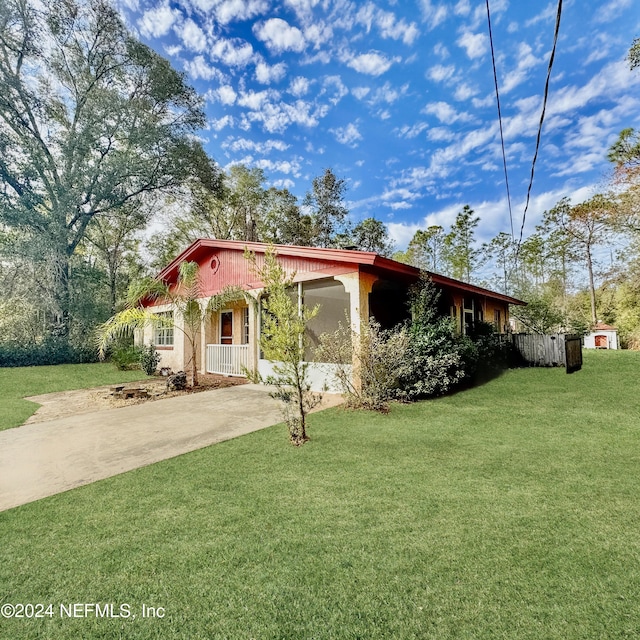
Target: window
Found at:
226, 327
164, 330
245, 325
497, 320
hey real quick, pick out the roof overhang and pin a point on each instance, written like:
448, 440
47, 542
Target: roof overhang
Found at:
365, 260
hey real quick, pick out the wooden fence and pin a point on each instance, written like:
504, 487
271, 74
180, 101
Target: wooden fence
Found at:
557, 350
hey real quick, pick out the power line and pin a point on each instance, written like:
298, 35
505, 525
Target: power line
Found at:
544, 108
495, 80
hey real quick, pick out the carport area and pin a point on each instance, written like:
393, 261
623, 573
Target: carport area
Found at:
42, 459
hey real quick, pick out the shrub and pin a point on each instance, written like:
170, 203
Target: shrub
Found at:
126, 357
149, 359
366, 374
51, 350
436, 360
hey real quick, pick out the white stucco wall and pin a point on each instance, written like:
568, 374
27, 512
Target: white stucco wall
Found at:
319, 374
612, 339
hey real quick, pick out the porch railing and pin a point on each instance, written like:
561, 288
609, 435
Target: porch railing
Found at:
227, 359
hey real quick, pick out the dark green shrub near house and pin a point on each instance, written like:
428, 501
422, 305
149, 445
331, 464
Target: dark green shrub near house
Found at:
149, 359
126, 357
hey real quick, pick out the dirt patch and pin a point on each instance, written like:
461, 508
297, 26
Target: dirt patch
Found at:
69, 403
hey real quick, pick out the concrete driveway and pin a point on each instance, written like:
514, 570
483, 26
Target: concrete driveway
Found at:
42, 459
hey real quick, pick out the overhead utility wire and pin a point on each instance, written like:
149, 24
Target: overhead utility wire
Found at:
544, 107
504, 156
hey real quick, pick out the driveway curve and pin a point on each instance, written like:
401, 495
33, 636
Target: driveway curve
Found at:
42, 459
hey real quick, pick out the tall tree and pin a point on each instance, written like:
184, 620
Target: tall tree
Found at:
501, 251
372, 235
283, 221
587, 225
426, 250
246, 196
112, 236
90, 119
326, 204
461, 255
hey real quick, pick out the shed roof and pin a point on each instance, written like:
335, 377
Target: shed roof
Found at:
601, 326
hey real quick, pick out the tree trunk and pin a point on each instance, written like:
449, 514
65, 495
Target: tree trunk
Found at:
592, 288
62, 297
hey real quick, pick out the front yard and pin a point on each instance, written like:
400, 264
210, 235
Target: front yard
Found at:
20, 382
507, 511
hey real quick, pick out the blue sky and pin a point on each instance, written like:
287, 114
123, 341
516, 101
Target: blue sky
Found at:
397, 97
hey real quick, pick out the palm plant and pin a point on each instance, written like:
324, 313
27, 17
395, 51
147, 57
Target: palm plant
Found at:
185, 299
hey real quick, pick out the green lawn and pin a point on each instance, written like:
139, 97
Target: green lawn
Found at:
19, 382
508, 511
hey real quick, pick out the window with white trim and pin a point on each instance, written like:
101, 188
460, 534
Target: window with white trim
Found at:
163, 334
245, 325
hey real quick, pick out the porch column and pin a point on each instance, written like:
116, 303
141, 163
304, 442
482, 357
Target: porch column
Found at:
358, 285
254, 329
203, 339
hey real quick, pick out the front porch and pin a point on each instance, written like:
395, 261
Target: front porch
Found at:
227, 359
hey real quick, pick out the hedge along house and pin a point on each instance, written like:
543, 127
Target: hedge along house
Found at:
348, 285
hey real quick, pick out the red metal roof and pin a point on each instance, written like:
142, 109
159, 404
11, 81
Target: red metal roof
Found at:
322, 260
604, 327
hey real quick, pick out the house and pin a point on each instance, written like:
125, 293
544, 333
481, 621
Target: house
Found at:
603, 336
348, 285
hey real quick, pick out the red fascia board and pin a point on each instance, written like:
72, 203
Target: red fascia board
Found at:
202, 244
348, 256
471, 288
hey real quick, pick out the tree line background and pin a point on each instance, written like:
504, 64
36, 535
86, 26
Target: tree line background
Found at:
103, 181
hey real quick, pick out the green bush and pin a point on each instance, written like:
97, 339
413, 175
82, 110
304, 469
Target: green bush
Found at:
435, 362
51, 350
126, 357
149, 359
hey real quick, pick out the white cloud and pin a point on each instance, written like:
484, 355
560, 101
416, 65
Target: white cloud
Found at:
283, 166
412, 131
441, 51
463, 8
348, 135
387, 24
198, 68
335, 88
464, 92
266, 74
547, 14
245, 144
360, 92
231, 10
254, 100
158, 22
280, 36
192, 36
276, 116
433, 15
526, 61
221, 123
318, 33
441, 73
440, 134
611, 10
233, 53
372, 63
445, 112
475, 44
299, 86
226, 94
